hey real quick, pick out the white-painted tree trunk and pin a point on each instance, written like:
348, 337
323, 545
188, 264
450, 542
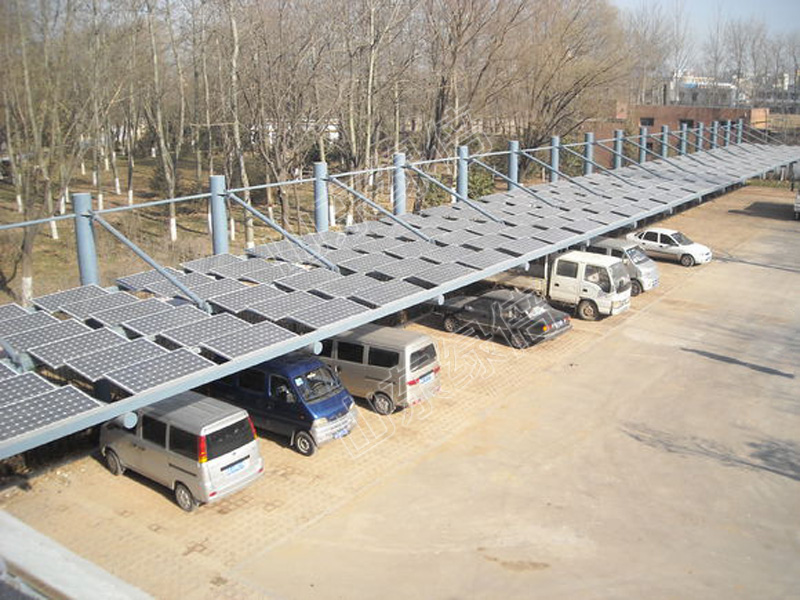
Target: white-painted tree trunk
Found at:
100, 204
173, 229
83, 168
106, 164
152, 151
271, 213
130, 197
332, 214
117, 189
27, 291
20, 208
232, 229
94, 178
62, 204
54, 230
349, 219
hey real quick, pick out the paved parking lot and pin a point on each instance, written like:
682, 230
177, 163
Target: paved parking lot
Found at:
655, 454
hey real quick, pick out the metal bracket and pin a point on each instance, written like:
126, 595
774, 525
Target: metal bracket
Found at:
567, 177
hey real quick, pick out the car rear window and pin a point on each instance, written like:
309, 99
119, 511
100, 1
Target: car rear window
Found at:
423, 357
228, 439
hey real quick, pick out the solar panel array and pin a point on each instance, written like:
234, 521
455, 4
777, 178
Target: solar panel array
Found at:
149, 334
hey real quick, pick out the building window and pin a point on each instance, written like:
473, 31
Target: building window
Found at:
647, 121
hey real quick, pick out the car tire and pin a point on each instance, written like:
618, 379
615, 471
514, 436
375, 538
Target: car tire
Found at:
587, 310
304, 443
518, 341
382, 404
113, 463
636, 287
184, 498
687, 260
450, 324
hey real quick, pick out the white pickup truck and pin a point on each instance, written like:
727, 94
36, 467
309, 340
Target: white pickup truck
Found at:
594, 284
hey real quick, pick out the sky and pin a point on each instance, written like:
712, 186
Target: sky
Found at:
780, 16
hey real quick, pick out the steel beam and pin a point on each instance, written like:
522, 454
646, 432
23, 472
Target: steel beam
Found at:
219, 215
84, 239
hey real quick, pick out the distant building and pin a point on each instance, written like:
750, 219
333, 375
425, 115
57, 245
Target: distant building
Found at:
694, 90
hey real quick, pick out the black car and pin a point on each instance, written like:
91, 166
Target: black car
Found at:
522, 319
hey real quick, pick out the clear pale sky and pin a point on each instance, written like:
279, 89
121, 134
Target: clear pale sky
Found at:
780, 16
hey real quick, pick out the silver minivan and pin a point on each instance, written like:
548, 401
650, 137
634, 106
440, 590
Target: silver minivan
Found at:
201, 448
642, 269
390, 367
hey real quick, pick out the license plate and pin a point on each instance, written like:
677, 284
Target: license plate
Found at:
340, 434
235, 467
427, 378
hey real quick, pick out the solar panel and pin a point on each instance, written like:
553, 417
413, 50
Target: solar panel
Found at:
327, 313
255, 337
484, 259
43, 410
367, 263
334, 256
604, 218
166, 288
283, 250
141, 280
175, 317
553, 236
411, 249
446, 254
626, 211
307, 280
272, 272
54, 355
521, 246
6, 372
11, 311
242, 267
200, 331
241, 299
346, 286
94, 366
206, 264
148, 374
379, 245
455, 238
332, 239
30, 321
84, 308
440, 274
215, 288
581, 226
54, 301
492, 240
386, 292
23, 386
398, 269
277, 308
127, 312
60, 330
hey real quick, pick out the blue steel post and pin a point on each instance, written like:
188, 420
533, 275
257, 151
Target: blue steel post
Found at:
555, 142
321, 207
84, 239
513, 163
642, 145
588, 153
664, 141
739, 130
728, 125
399, 184
219, 215
619, 136
684, 139
699, 140
462, 174
714, 134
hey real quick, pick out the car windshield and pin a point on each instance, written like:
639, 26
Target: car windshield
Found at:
681, 239
317, 384
637, 255
620, 277
529, 304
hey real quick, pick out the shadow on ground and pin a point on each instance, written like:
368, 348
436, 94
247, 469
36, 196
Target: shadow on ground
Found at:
779, 457
740, 363
780, 211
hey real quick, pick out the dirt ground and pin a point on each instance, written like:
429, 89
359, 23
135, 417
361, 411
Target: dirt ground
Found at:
651, 455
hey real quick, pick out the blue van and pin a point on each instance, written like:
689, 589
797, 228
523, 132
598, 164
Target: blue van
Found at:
295, 396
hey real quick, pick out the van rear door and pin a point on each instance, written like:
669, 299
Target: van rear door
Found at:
231, 453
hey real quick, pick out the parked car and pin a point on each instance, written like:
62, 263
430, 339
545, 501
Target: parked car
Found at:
643, 271
522, 319
390, 367
593, 285
669, 244
200, 448
296, 396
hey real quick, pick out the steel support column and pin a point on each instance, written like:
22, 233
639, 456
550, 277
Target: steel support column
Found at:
399, 184
321, 206
555, 142
588, 153
513, 163
84, 239
739, 130
728, 126
619, 137
684, 139
714, 134
665, 141
219, 215
462, 171
642, 145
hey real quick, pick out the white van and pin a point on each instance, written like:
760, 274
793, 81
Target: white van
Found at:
201, 448
388, 366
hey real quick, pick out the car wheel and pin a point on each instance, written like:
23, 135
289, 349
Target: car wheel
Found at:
687, 260
304, 443
382, 404
450, 324
184, 498
518, 341
636, 287
113, 463
587, 310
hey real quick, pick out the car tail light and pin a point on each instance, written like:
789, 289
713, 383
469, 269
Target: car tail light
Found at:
544, 328
414, 381
437, 368
252, 427
202, 449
